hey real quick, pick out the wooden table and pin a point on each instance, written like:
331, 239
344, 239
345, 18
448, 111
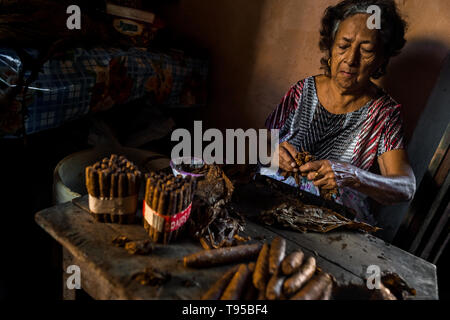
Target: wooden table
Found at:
107, 270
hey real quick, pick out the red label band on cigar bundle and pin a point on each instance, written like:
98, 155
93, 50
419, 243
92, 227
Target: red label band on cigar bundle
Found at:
157, 220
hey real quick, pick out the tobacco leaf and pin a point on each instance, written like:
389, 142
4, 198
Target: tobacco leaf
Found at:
302, 158
152, 277
213, 217
301, 217
120, 241
141, 247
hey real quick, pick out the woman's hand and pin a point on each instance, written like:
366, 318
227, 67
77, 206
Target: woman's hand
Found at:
329, 175
396, 184
286, 154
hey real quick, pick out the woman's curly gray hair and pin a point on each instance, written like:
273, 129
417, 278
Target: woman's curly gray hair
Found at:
391, 34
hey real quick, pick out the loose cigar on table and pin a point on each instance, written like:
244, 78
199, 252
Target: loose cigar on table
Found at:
261, 274
274, 288
261, 294
251, 292
208, 258
292, 262
327, 292
237, 284
276, 254
315, 288
217, 289
300, 277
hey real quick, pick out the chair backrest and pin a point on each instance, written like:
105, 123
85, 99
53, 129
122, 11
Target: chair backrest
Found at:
427, 152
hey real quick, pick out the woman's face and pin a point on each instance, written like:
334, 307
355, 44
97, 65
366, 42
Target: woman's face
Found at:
355, 54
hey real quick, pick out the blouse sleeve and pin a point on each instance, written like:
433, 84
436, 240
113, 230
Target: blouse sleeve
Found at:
392, 137
288, 105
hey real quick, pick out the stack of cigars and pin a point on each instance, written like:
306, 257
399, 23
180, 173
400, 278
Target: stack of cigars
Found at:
169, 197
273, 276
114, 178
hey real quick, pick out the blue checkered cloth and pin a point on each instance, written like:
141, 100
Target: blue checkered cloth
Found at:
64, 87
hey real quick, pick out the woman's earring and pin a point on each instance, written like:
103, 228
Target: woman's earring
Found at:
329, 62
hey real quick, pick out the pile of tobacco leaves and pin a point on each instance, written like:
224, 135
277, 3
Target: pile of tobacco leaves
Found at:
213, 218
301, 217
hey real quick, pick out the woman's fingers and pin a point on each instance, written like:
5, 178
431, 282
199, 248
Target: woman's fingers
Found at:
326, 182
290, 149
310, 168
286, 159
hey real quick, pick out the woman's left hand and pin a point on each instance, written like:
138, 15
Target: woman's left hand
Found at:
328, 174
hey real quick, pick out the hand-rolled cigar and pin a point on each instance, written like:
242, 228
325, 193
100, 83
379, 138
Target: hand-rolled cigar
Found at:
102, 183
261, 274
274, 288
113, 192
95, 181
131, 184
328, 292
156, 195
261, 294
315, 288
208, 258
276, 254
292, 262
89, 182
300, 277
217, 289
251, 293
237, 284
162, 204
122, 184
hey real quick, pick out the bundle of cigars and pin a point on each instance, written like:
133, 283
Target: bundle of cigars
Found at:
113, 187
273, 276
167, 205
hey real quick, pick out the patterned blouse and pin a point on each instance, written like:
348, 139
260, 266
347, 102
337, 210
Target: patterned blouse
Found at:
357, 137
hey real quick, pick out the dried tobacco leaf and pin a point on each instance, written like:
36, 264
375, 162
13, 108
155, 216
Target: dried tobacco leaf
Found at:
213, 217
302, 158
303, 218
120, 241
152, 277
141, 247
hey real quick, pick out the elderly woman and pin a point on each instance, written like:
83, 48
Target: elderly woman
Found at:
343, 118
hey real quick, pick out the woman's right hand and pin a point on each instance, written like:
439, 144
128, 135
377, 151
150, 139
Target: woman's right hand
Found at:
286, 153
